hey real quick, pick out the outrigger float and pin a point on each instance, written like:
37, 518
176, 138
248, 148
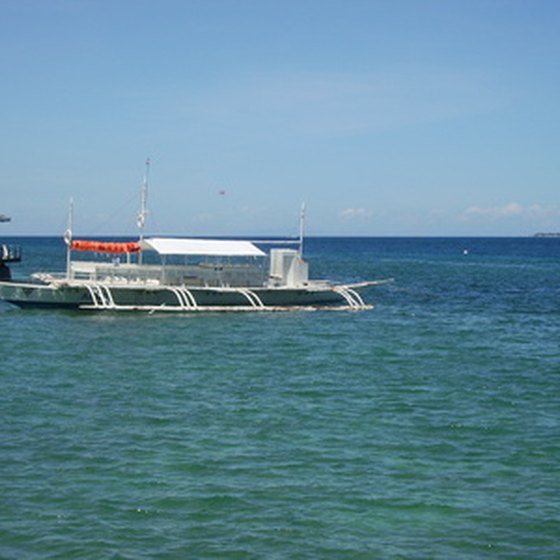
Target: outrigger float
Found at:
162, 274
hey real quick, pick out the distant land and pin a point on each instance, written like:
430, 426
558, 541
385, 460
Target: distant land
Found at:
547, 234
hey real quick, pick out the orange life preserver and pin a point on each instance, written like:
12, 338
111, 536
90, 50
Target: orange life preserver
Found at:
104, 246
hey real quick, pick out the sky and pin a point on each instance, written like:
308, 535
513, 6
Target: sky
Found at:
385, 117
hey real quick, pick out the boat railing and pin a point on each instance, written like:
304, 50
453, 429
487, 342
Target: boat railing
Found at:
167, 275
115, 273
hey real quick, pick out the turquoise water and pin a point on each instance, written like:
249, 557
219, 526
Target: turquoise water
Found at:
428, 427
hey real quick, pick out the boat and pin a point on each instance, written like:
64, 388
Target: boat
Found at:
173, 274
8, 254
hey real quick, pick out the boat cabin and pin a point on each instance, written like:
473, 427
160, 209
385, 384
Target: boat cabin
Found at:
162, 261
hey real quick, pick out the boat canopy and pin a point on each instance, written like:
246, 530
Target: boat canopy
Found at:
206, 247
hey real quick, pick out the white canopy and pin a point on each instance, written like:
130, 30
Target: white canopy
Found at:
208, 247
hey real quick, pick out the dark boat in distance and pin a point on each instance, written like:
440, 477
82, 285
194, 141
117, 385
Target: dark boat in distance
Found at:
8, 254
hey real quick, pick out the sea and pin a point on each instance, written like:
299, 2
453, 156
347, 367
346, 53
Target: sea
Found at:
425, 428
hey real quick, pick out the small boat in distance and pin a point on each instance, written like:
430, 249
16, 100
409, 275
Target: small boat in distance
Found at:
163, 274
8, 254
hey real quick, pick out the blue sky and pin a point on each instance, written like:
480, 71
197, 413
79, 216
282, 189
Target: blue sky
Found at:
387, 117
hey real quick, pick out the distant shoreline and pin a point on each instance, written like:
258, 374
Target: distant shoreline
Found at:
547, 234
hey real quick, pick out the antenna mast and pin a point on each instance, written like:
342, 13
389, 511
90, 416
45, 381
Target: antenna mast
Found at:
141, 221
301, 229
68, 238
144, 201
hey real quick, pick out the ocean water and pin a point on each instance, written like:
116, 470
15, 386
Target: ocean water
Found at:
428, 427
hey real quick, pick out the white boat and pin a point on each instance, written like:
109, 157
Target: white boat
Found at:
166, 274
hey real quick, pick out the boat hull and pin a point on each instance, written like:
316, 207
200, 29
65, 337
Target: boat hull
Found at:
172, 298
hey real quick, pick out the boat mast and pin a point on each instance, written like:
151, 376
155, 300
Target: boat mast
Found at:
141, 221
301, 229
68, 238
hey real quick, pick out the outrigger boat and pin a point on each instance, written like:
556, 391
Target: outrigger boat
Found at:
180, 275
